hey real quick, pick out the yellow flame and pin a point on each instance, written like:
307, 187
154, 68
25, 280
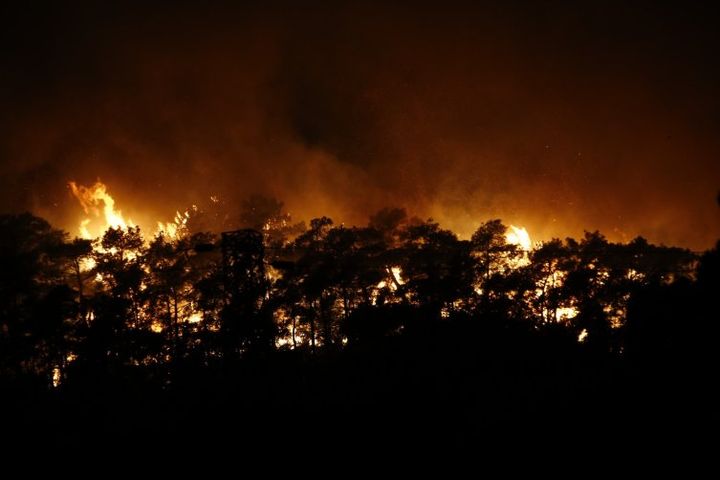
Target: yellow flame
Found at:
396, 280
397, 274
100, 206
520, 237
582, 336
101, 214
56, 377
391, 283
175, 229
566, 313
87, 263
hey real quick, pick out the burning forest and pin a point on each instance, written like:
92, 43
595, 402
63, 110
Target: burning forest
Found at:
357, 223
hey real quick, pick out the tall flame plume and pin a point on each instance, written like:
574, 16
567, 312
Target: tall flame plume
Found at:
100, 206
519, 236
101, 214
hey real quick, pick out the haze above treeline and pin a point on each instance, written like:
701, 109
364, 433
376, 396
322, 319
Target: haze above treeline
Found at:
557, 117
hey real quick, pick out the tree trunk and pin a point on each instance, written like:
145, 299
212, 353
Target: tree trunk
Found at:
81, 301
176, 327
312, 331
325, 321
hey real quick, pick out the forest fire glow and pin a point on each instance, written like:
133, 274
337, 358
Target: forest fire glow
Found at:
303, 230
101, 214
100, 206
175, 229
519, 236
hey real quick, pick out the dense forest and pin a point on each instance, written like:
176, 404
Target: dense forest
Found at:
398, 330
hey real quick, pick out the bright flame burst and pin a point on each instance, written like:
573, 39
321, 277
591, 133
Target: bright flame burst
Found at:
101, 215
520, 237
99, 206
177, 228
395, 279
392, 282
98, 203
582, 336
56, 377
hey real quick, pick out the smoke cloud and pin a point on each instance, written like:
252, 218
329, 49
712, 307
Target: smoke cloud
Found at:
547, 115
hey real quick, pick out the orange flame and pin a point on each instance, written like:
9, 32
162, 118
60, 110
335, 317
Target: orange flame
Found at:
101, 214
177, 228
519, 236
100, 206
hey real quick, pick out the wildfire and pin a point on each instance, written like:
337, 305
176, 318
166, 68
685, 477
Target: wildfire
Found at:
177, 228
395, 279
397, 275
100, 206
392, 282
582, 336
520, 237
101, 214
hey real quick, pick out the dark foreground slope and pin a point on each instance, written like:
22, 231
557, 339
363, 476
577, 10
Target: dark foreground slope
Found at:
449, 388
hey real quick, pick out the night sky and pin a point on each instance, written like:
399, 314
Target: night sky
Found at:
557, 116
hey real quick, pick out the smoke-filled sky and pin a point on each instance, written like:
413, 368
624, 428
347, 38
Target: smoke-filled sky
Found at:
558, 116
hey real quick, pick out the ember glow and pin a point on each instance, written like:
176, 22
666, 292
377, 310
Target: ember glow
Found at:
582, 336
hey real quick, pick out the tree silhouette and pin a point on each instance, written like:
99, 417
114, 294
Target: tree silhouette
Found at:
79, 271
438, 268
312, 277
549, 265
246, 321
30, 283
346, 323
